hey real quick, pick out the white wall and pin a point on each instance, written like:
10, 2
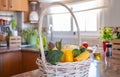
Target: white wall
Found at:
112, 14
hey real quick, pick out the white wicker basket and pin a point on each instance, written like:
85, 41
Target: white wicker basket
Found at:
66, 69
61, 69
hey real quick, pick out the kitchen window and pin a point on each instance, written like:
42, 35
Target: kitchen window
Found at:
87, 15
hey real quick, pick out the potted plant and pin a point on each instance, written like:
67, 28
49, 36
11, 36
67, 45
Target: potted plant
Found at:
30, 35
106, 35
14, 28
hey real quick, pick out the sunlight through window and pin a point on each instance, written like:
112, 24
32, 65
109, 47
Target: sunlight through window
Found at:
86, 14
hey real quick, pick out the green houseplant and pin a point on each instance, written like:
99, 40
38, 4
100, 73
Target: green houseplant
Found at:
13, 24
14, 28
106, 35
30, 35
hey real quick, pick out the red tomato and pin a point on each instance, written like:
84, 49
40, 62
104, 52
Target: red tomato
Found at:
85, 44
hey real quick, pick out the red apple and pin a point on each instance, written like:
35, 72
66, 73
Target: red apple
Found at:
85, 44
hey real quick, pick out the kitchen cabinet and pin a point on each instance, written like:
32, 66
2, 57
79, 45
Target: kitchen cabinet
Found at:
10, 63
15, 61
29, 60
34, 0
14, 5
26, 17
24, 5
3, 5
0, 65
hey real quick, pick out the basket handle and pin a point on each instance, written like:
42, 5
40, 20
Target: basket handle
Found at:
41, 22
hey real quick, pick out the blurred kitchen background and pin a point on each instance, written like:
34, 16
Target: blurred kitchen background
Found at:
58, 23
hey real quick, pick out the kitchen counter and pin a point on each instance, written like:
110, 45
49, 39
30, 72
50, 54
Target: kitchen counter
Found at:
8, 49
97, 69
30, 49
11, 49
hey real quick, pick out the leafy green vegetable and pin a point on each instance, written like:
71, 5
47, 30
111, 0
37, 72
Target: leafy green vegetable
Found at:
58, 44
54, 56
76, 52
82, 49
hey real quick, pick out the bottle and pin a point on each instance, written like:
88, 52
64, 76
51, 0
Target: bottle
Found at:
108, 55
96, 53
109, 50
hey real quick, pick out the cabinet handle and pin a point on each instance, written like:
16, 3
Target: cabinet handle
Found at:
11, 4
4, 3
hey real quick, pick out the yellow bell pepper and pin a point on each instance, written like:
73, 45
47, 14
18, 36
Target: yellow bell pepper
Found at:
67, 56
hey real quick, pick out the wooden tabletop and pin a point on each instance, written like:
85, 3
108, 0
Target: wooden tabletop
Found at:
34, 73
97, 69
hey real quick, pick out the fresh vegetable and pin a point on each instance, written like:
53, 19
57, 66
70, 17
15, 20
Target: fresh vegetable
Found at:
81, 46
76, 52
82, 49
67, 56
54, 56
58, 44
51, 46
63, 56
85, 44
83, 56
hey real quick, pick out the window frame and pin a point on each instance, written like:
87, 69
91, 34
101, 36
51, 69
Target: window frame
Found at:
83, 33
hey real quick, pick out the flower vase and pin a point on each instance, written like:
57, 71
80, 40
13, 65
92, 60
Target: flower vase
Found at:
104, 45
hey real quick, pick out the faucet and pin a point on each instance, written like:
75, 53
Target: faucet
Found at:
51, 32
